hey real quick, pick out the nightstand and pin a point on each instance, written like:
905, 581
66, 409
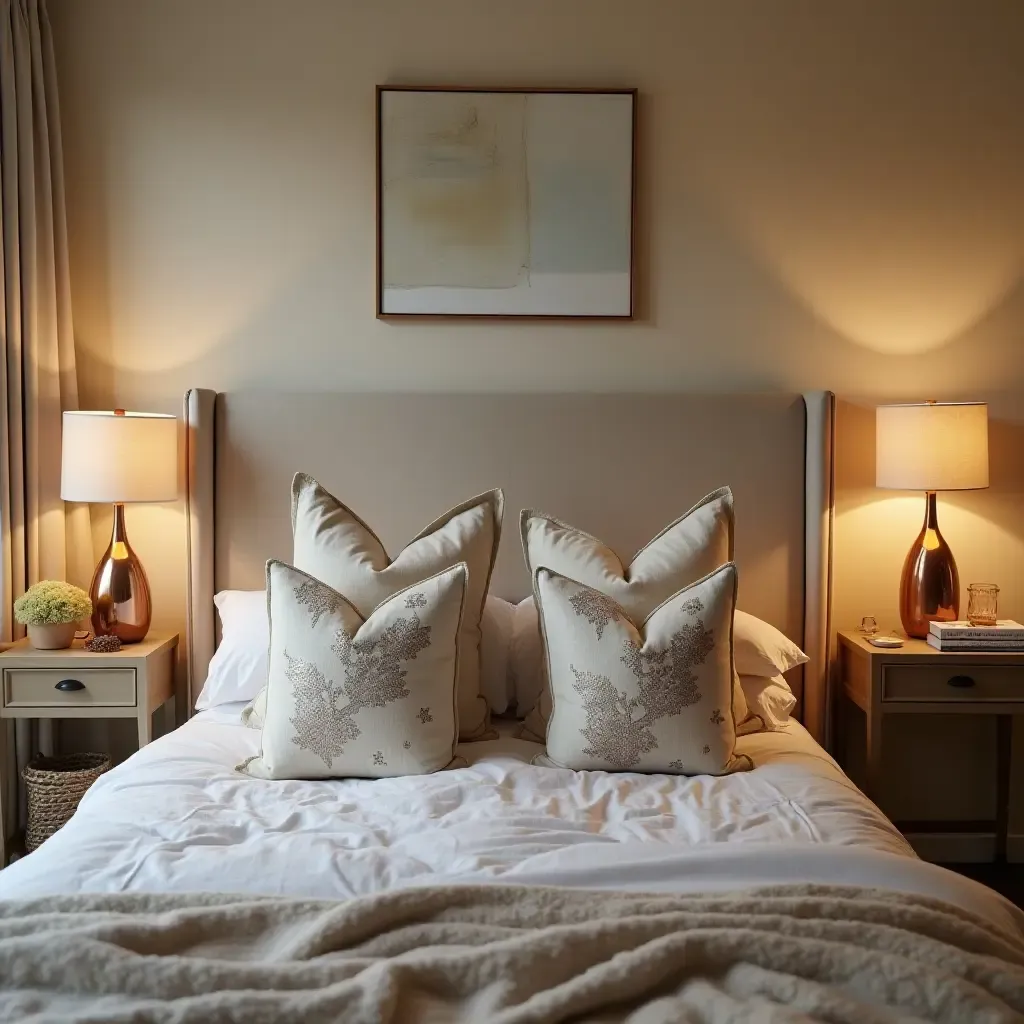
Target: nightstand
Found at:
916, 679
74, 683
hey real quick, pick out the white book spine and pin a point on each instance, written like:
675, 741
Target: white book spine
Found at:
979, 646
990, 633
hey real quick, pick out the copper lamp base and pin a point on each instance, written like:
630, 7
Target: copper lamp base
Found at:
930, 584
120, 591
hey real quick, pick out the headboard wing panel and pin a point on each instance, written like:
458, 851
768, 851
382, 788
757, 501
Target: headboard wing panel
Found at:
619, 466
819, 504
200, 435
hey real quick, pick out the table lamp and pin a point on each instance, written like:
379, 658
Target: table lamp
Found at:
930, 447
119, 457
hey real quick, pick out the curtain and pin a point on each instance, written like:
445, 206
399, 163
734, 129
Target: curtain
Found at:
39, 538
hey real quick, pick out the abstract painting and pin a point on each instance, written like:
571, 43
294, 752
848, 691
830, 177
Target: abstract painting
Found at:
504, 202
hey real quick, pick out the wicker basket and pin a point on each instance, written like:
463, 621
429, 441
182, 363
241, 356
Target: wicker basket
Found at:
54, 786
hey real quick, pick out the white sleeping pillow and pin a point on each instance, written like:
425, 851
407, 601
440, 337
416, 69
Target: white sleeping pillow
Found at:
763, 650
526, 658
769, 699
238, 668
496, 629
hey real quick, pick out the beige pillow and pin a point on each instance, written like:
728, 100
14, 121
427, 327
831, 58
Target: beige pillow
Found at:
653, 699
348, 697
333, 544
688, 550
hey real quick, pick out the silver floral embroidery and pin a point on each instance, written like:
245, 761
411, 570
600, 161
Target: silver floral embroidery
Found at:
596, 608
676, 765
319, 727
705, 749
416, 601
373, 676
378, 757
425, 716
407, 744
618, 728
318, 598
717, 718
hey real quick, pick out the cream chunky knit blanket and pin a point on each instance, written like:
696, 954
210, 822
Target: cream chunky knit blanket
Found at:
504, 954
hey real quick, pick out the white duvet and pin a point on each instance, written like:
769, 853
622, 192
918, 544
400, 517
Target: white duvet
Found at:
177, 817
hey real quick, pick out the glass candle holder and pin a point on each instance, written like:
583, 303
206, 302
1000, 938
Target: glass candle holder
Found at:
982, 604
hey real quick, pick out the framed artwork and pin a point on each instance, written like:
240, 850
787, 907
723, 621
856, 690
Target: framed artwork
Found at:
505, 202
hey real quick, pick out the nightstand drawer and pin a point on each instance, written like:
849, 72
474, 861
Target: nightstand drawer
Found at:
38, 687
941, 683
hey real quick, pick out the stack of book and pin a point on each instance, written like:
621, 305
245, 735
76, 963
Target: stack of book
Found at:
1005, 635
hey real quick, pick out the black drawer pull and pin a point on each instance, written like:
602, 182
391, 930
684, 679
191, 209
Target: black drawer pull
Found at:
70, 685
961, 682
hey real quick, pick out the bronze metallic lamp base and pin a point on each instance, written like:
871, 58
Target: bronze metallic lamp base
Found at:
120, 591
930, 584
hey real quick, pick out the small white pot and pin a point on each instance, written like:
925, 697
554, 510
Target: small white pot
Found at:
51, 636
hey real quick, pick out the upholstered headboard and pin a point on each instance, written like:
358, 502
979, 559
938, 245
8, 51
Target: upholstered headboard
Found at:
619, 466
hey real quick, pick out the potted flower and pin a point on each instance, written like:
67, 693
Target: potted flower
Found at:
51, 610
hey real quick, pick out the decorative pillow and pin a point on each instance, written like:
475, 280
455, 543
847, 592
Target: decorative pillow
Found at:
654, 699
683, 552
249, 639
238, 668
761, 653
769, 698
351, 697
762, 650
334, 545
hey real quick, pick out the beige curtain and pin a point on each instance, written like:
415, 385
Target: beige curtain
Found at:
39, 538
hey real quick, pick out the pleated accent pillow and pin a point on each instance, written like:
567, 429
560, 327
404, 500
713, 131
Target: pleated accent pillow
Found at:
653, 698
683, 552
353, 697
333, 544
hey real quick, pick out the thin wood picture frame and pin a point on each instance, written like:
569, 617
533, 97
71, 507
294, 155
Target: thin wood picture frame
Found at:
505, 203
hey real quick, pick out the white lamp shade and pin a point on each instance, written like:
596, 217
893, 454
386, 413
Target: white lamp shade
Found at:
940, 446
119, 457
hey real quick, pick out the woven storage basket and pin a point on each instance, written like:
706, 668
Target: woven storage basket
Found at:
54, 786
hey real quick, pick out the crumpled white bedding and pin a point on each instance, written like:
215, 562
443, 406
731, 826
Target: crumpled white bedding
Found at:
177, 817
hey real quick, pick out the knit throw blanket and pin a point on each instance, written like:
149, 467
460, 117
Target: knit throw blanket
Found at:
502, 954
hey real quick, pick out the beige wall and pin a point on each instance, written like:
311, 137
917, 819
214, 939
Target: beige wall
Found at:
830, 195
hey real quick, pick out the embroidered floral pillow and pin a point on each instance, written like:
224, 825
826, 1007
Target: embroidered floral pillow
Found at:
685, 551
649, 697
348, 697
336, 546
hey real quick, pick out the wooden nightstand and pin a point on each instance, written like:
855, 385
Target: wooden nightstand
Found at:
75, 683
916, 679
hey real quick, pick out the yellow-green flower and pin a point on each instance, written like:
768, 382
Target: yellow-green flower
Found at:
50, 602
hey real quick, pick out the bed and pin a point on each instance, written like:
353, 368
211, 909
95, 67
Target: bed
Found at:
436, 879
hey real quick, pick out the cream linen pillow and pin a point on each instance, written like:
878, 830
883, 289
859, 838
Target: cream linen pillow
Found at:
654, 699
348, 697
688, 550
769, 698
334, 545
763, 650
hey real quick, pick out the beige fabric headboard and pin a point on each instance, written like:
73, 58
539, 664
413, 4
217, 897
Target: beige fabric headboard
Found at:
619, 466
